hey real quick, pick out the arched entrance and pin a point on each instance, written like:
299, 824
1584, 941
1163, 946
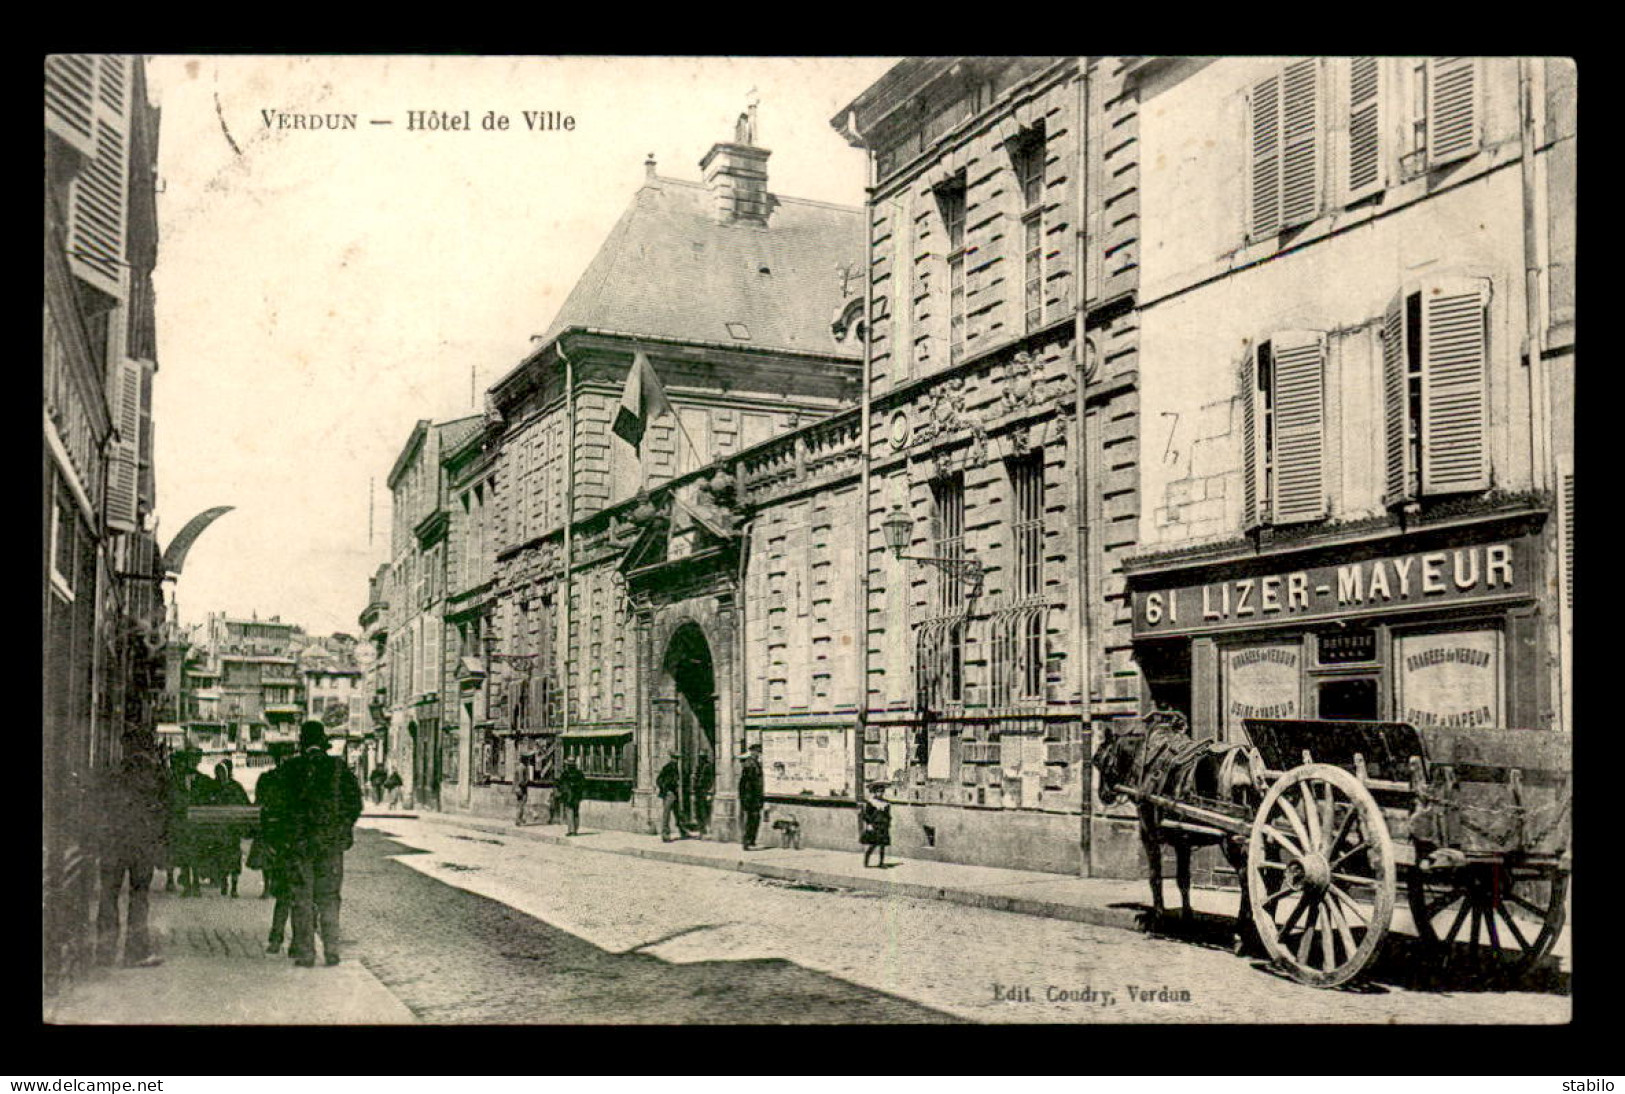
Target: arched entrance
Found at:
693, 735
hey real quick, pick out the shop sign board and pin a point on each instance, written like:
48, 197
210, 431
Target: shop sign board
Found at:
1487, 572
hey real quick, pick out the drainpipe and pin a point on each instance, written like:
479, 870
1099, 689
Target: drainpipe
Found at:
865, 421
741, 620
1533, 341
1082, 616
569, 535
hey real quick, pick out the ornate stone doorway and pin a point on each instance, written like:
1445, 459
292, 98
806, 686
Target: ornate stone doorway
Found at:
691, 684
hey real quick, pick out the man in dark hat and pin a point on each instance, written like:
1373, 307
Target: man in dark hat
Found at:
137, 812
315, 807
750, 796
269, 852
705, 784
666, 784
572, 787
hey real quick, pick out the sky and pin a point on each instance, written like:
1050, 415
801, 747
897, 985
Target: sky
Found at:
319, 291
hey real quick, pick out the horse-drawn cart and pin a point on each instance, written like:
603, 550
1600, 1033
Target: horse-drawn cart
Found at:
1474, 821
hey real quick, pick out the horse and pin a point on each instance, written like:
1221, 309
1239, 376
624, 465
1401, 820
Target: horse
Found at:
1163, 759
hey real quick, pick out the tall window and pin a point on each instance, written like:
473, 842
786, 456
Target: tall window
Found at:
1027, 522
1435, 412
1283, 418
948, 532
1029, 154
1284, 120
951, 199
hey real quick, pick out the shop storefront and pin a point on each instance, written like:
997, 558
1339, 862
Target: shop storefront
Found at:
1436, 627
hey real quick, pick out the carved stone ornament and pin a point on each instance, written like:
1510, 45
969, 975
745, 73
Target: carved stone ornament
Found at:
976, 455
1020, 381
943, 464
899, 430
946, 410
1017, 441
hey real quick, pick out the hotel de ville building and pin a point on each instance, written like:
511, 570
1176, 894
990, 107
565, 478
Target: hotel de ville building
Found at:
1241, 387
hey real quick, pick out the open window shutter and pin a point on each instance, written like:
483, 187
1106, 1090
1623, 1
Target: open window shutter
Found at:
1452, 90
1365, 175
1264, 117
123, 477
1252, 453
1300, 142
1395, 411
1299, 379
1454, 345
1566, 482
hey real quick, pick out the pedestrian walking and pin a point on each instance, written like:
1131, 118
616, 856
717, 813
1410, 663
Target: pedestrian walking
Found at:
199, 843
666, 784
572, 787
392, 783
876, 820
705, 785
178, 832
314, 808
750, 796
137, 811
521, 789
226, 844
376, 780
269, 854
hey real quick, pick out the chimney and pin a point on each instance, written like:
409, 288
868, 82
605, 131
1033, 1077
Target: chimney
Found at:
736, 174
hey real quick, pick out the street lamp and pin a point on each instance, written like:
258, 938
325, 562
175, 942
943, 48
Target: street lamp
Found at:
898, 527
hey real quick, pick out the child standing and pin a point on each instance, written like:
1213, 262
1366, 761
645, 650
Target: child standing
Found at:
876, 818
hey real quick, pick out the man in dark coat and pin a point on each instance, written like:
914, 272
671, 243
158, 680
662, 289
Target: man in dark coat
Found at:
571, 789
376, 779
705, 784
137, 804
226, 844
316, 805
270, 848
750, 796
178, 833
666, 784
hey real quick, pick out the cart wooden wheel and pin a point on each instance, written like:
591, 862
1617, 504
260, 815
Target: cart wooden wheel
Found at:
1320, 872
1503, 912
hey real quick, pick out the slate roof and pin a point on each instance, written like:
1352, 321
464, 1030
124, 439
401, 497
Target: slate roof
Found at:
455, 432
671, 269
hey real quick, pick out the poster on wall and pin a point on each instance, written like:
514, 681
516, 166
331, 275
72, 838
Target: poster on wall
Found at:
897, 754
1452, 680
1262, 681
807, 761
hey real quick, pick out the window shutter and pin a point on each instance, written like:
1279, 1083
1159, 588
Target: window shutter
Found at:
1454, 345
70, 81
1452, 104
1252, 452
1264, 114
1299, 380
123, 479
1396, 412
1300, 139
1365, 174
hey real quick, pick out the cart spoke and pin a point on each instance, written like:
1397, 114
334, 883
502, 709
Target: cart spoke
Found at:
1445, 901
1350, 853
1311, 814
1455, 927
1297, 910
1268, 865
1342, 830
1328, 944
1348, 901
1308, 937
1538, 913
1291, 813
1353, 879
1276, 897
1342, 924
1513, 927
1281, 837
1489, 923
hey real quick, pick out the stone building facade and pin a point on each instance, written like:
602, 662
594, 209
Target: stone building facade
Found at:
1356, 317
102, 610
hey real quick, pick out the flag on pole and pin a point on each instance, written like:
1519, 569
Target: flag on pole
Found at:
642, 401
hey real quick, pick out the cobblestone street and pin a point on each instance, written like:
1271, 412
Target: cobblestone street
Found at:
466, 926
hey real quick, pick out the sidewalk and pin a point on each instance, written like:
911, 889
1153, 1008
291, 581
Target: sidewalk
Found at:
1102, 902
216, 972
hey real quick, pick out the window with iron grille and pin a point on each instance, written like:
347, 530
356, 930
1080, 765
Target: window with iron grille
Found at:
951, 200
948, 535
1027, 522
1029, 154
